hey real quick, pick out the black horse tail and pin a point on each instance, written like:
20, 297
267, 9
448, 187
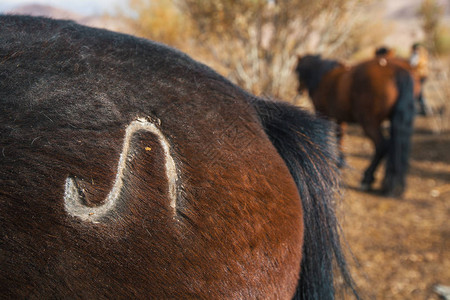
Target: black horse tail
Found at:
402, 120
307, 146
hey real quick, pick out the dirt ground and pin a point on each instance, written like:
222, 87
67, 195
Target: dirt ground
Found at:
402, 245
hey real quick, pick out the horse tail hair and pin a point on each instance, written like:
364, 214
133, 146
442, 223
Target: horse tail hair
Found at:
308, 148
402, 120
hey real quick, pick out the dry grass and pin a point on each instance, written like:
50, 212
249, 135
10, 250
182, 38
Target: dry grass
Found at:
403, 245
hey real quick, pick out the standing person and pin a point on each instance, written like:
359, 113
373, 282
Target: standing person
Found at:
419, 62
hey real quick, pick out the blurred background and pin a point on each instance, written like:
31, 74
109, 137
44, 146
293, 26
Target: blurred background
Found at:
255, 42
401, 246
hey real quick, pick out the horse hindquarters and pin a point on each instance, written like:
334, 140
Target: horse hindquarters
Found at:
401, 130
305, 144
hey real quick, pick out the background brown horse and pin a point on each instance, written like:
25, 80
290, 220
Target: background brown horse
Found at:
128, 170
368, 93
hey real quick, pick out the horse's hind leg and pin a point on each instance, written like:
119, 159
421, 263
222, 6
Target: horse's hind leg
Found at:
381, 148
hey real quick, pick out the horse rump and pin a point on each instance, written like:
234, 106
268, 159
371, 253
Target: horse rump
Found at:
130, 170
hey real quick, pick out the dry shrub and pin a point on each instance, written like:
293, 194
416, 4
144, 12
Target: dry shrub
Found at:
442, 40
161, 21
255, 43
437, 93
431, 13
258, 41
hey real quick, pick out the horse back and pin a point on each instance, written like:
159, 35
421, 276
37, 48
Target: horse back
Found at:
332, 98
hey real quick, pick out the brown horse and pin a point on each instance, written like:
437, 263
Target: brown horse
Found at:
128, 170
368, 93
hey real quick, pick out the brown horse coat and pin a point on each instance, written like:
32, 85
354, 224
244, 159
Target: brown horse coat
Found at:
69, 95
128, 170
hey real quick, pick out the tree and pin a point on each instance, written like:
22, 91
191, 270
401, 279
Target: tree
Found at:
258, 40
255, 42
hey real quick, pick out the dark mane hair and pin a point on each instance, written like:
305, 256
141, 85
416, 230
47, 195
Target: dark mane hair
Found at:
312, 68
